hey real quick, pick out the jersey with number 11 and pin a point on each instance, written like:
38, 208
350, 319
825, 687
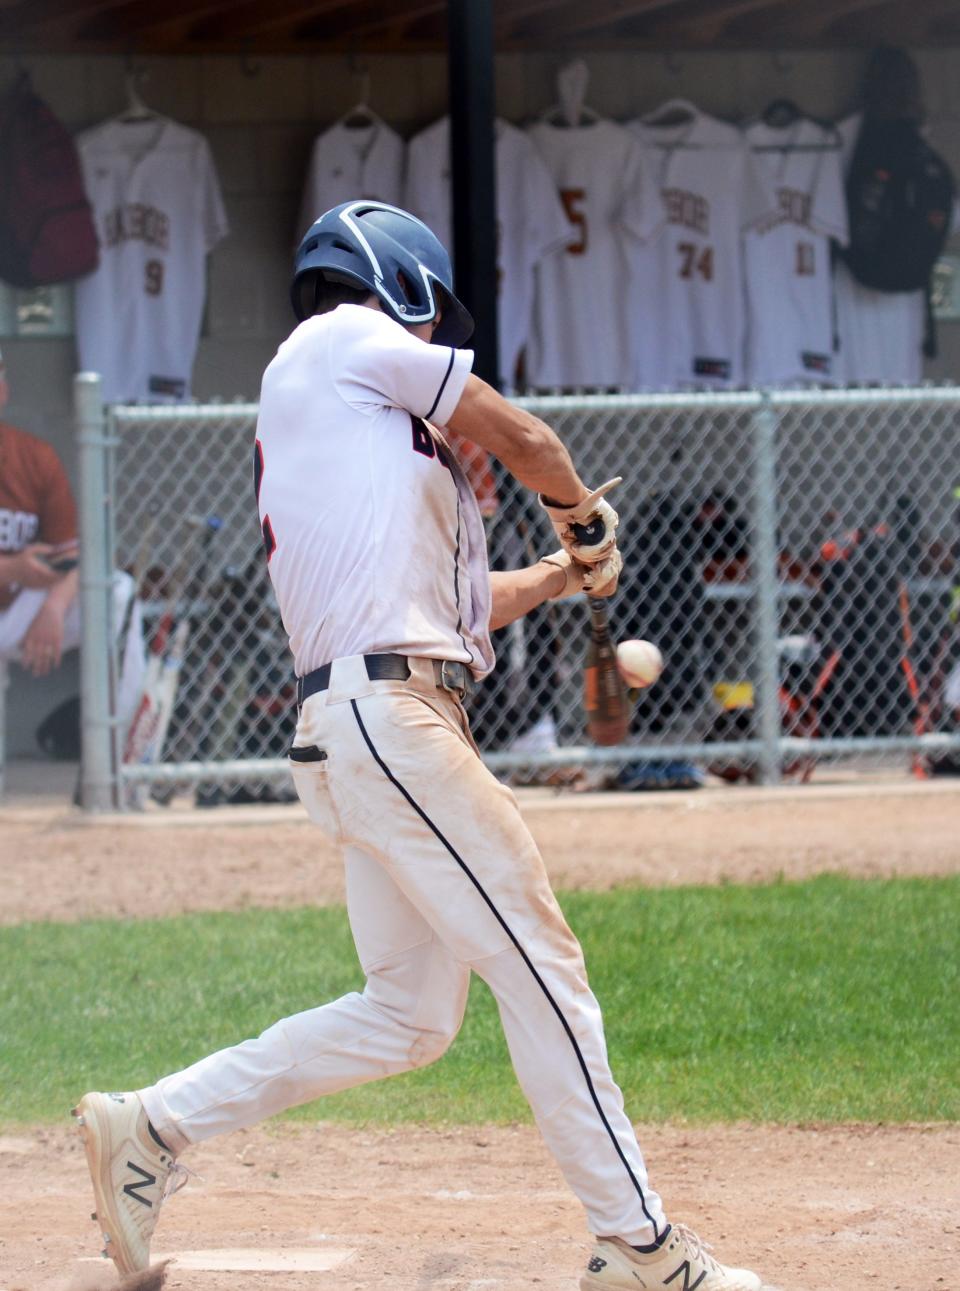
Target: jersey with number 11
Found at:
158, 211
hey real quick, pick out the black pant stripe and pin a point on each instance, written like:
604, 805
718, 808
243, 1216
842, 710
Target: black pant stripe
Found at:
521, 952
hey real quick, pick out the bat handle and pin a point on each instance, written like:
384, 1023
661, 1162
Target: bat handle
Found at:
600, 624
587, 534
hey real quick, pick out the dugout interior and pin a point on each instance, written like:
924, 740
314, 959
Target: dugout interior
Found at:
262, 79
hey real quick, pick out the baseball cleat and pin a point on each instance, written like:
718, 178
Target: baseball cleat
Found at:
682, 1263
132, 1173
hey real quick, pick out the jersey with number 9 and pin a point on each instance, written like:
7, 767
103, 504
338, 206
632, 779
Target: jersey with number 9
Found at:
158, 211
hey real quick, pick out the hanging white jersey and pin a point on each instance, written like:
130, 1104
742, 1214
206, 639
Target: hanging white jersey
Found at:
374, 538
158, 211
348, 162
581, 309
530, 221
689, 321
881, 332
790, 329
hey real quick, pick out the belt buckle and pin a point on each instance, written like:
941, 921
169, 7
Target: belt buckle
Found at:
453, 677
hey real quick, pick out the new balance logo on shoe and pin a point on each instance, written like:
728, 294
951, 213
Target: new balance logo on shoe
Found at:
596, 1264
687, 1284
146, 1180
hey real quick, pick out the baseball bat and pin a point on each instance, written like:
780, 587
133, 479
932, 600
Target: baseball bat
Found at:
605, 698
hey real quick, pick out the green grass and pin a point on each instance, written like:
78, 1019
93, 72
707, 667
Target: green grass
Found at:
827, 1000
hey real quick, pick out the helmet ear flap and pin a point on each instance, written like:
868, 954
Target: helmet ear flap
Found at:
303, 295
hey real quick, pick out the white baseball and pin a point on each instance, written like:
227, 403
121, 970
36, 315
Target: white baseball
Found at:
640, 662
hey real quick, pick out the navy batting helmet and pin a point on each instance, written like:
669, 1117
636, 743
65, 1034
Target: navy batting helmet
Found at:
388, 251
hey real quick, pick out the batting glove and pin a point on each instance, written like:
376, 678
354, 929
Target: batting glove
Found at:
598, 580
588, 531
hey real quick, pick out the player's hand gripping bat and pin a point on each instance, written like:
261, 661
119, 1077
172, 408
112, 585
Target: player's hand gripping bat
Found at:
588, 531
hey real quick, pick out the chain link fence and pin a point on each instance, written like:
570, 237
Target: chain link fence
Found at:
795, 557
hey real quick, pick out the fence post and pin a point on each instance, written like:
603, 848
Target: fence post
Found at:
96, 767
766, 591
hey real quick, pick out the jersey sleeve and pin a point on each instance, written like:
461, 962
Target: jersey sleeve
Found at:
213, 216
828, 213
758, 198
639, 211
547, 225
376, 361
56, 509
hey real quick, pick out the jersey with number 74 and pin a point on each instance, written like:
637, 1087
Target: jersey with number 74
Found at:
689, 324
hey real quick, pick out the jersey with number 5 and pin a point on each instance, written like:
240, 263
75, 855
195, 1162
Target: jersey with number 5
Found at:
580, 314
158, 211
690, 319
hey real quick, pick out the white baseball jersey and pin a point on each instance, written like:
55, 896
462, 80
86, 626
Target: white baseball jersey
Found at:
348, 468
881, 332
689, 320
158, 211
530, 221
790, 331
580, 315
348, 162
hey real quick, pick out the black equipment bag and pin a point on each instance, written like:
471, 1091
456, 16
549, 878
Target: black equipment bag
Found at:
900, 195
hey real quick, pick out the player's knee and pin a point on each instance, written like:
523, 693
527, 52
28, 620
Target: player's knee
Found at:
428, 1046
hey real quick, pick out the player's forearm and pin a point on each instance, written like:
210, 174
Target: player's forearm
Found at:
515, 592
528, 448
64, 591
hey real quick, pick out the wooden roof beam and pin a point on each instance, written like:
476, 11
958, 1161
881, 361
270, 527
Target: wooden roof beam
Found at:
132, 18
26, 14
704, 20
790, 22
252, 18
573, 17
365, 19
900, 21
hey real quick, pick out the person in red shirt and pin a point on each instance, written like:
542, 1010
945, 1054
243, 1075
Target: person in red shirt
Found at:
39, 616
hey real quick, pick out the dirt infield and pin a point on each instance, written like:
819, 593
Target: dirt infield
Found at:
164, 863
300, 1208
813, 1209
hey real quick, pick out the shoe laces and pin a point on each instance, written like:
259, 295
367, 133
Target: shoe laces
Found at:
699, 1249
178, 1178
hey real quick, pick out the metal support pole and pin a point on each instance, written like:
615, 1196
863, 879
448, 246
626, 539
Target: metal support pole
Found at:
97, 791
472, 141
766, 592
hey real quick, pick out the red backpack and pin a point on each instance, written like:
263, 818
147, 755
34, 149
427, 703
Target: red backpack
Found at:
46, 226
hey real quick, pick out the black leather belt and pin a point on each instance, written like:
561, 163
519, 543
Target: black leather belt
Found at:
455, 677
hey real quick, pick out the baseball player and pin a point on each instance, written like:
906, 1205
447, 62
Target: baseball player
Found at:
39, 607
376, 552
158, 211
